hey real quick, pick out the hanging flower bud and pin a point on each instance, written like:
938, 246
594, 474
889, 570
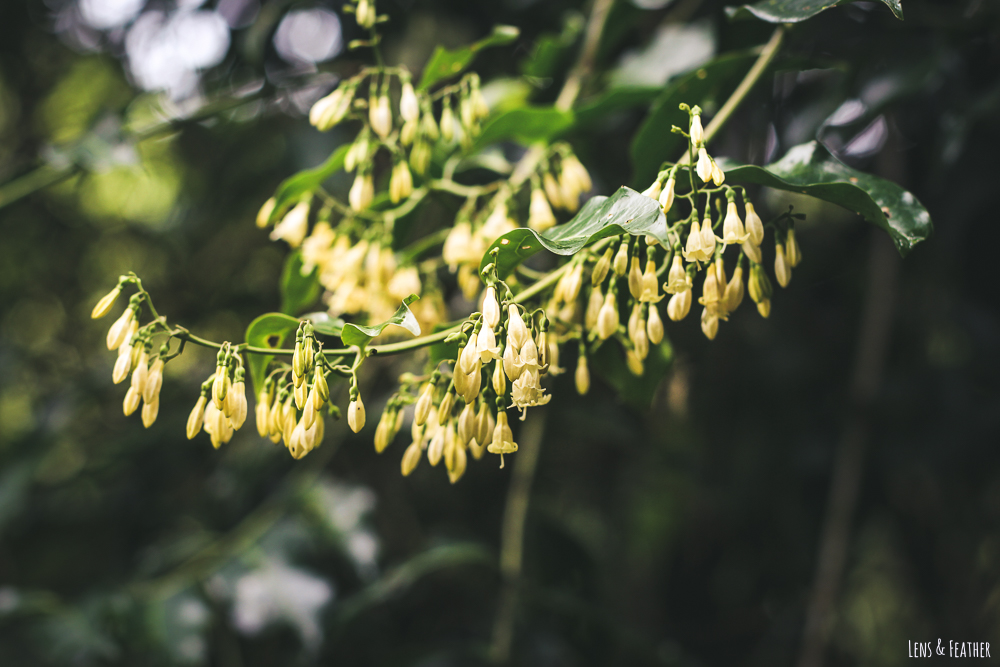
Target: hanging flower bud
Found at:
759, 286
411, 457
103, 306
709, 324
261, 412
154, 380
732, 228
582, 375
653, 191
679, 305
444, 410
131, 402
123, 364
264, 214
634, 320
293, 227
384, 429
696, 131
491, 308
753, 252
435, 449
781, 269
601, 269
635, 277
120, 329
424, 403
516, 329
362, 192
733, 296
634, 363
512, 364
141, 372
409, 106
667, 196
710, 292
754, 226
149, 413
356, 414
704, 166
457, 464
620, 263
654, 326
650, 292
301, 395
764, 308
677, 278
420, 157
540, 215
321, 386
197, 417
447, 121
718, 176
499, 380
693, 251
594, 304
552, 191
236, 401
220, 386
401, 183
332, 109
503, 437
607, 318
640, 341
793, 254
365, 13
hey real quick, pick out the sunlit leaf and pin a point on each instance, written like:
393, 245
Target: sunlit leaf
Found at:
445, 63
269, 331
793, 11
292, 188
810, 169
654, 143
324, 324
626, 211
298, 291
525, 125
357, 334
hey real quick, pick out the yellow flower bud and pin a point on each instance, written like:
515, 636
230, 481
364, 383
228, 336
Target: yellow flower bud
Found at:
718, 176
653, 191
607, 318
732, 227
401, 183
499, 380
154, 380
679, 305
733, 294
236, 401
467, 424
365, 13
696, 131
262, 411
294, 226
704, 166
677, 278
754, 225
264, 214
764, 307
120, 329
362, 192
793, 254
594, 304
384, 430
667, 196
457, 468
435, 450
654, 326
491, 308
356, 414
131, 402
123, 364
516, 329
220, 386
149, 413
424, 403
141, 372
411, 457
635, 278
709, 324
444, 410
540, 216
634, 363
321, 386
782, 271
601, 269
103, 306
582, 376
552, 191
409, 106
650, 292
197, 417
753, 252
620, 263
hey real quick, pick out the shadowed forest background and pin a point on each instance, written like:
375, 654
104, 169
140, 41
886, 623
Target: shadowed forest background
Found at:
685, 533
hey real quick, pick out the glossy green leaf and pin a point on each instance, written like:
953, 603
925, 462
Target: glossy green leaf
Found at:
654, 143
445, 63
810, 169
294, 187
525, 125
298, 291
626, 211
635, 390
615, 99
270, 331
357, 334
793, 11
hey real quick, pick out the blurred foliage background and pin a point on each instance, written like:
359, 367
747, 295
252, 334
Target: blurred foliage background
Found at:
684, 534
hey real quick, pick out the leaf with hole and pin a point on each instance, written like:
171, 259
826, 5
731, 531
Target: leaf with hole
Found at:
445, 63
810, 169
268, 331
357, 334
626, 211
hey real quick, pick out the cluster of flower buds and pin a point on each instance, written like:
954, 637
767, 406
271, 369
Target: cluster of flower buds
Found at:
221, 408
134, 346
292, 411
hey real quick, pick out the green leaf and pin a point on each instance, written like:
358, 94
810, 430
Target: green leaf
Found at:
615, 99
637, 391
810, 169
293, 187
654, 142
626, 211
525, 125
356, 334
298, 291
793, 11
551, 52
324, 324
269, 330
445, 63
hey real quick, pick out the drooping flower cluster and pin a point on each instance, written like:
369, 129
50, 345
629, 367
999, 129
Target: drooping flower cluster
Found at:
221, 408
